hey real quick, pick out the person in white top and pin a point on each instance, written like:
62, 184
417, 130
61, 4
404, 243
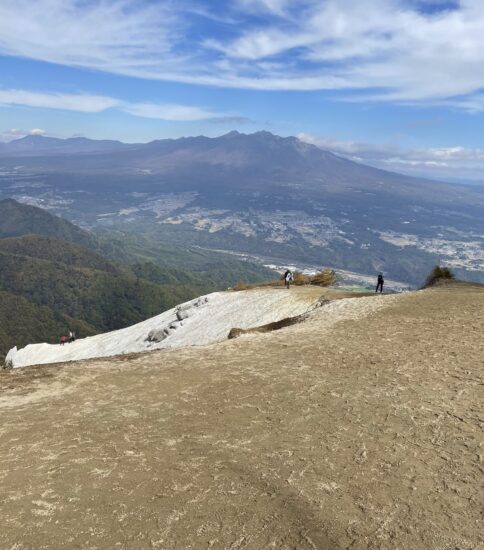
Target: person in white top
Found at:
288, 278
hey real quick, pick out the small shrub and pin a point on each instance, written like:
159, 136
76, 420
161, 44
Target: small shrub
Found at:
326, 277
7, 365
241, 285
437, 274
300, 279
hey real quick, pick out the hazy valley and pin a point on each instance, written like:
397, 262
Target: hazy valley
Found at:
279, 199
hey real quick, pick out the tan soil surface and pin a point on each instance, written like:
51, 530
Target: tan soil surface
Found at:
360, 428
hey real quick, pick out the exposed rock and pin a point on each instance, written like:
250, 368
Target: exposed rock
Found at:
181, 313
236, 332
322, 302
157, 335
277, 325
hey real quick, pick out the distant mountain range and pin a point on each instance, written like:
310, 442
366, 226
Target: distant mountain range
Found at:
277, 198
32, 145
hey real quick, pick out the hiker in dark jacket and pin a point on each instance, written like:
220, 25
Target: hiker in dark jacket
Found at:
380, 282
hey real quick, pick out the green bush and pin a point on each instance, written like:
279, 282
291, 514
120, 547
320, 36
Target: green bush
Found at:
438, 274
7, 365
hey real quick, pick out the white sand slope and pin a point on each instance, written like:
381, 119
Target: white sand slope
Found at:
205, 320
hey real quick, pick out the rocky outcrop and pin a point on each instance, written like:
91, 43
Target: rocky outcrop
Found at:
181, 313
269, 327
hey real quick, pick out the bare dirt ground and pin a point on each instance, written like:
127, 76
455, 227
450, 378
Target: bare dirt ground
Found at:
360, 428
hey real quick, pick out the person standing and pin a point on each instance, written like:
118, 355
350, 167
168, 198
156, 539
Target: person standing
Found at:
288, 278
380, 282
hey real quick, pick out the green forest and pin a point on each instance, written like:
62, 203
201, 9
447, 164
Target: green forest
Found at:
50, 282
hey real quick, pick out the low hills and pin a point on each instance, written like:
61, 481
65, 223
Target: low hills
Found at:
88, 289
77, 287
50, 249
24, 321
17, 219
358, 428
62, 282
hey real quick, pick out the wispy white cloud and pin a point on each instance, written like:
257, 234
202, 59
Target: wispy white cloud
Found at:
383, 44
168, 111
458, 163
473, 102
37, 132
277, 7
85, 103
32, 132
95, 104
17, 133
118, 36
386, 50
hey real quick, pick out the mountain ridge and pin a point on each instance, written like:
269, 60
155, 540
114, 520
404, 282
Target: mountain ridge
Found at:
43, 144
276, 198
238, 143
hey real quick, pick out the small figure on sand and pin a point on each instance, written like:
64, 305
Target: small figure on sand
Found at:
380, 282
288, 278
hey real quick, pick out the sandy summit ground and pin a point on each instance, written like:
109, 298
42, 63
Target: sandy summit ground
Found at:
360, 428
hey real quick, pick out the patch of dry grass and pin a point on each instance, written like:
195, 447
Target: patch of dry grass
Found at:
325, 277
242, 285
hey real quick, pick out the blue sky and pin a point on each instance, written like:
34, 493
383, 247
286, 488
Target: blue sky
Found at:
394, 83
